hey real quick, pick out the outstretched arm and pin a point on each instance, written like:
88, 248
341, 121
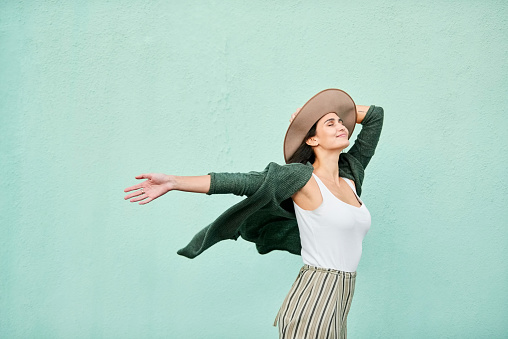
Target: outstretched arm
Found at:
158, 184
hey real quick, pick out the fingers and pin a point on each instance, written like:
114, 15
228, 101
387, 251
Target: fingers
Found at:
141, 196
144, 176
294, 114
145, 201
135, 187
138, 186
133, 194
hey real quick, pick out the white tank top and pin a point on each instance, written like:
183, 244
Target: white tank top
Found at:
332, 234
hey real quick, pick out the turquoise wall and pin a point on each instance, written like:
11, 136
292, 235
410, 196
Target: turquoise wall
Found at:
93, 93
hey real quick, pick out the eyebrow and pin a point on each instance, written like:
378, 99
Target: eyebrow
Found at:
332, 119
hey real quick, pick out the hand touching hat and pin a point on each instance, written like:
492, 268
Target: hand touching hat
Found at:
326, 101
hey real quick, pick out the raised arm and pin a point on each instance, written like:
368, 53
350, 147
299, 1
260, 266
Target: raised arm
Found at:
361, 111
366, 141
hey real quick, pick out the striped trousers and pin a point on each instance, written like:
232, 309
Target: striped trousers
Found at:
317, 304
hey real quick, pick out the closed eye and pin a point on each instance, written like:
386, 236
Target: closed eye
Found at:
332, 120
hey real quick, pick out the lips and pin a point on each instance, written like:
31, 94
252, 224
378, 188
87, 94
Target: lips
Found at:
341, 135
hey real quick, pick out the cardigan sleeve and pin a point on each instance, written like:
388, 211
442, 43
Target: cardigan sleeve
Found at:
366, 141
259, 218
236, 183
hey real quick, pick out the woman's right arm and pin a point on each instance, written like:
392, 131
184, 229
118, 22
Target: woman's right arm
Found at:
158, 184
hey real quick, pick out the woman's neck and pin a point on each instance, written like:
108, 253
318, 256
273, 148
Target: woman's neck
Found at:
328, 167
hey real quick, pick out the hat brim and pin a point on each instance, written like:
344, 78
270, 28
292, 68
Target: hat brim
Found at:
326, 101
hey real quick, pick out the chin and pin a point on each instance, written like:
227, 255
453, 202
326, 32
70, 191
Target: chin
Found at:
341, 147
345, 144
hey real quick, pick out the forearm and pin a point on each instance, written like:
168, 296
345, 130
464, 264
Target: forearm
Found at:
361, 110
218, 183
195, 184
366, 141
236, 183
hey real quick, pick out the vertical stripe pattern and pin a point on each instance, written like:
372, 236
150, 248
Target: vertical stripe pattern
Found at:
317, 304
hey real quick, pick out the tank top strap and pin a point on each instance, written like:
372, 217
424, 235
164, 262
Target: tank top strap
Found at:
325, 189
322, 187
349, 182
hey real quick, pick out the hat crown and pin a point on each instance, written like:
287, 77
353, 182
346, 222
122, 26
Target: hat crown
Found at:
327, 101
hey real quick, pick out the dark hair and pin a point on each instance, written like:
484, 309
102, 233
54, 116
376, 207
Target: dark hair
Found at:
304, 152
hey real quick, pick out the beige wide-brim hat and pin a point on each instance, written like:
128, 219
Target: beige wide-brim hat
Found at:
326, 101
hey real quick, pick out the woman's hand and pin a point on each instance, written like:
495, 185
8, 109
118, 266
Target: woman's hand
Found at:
157, 184
294, 115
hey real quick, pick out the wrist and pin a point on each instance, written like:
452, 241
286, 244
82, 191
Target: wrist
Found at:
172, 182
361, 111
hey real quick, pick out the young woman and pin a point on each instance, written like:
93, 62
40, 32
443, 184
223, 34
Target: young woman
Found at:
311, 206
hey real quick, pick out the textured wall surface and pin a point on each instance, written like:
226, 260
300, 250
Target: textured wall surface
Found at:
93, 93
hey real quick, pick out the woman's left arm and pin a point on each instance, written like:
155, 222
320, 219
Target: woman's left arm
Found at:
372, 123
371, 118
361, 110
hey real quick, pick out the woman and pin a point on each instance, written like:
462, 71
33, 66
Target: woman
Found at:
310, 206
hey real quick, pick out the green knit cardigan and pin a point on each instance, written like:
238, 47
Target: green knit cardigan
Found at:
266, 216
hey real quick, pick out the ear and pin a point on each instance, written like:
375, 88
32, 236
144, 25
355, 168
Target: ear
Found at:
312, 141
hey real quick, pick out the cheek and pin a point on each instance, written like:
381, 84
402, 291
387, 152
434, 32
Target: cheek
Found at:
331, 137
328, 133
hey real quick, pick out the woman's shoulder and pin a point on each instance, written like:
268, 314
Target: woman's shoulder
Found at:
289, 177
293, 167
292, 172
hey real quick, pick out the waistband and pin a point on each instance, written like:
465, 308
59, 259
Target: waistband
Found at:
328, 270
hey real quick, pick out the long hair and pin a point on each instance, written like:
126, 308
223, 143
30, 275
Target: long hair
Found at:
304, 152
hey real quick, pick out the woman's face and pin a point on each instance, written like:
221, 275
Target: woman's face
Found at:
331, 134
